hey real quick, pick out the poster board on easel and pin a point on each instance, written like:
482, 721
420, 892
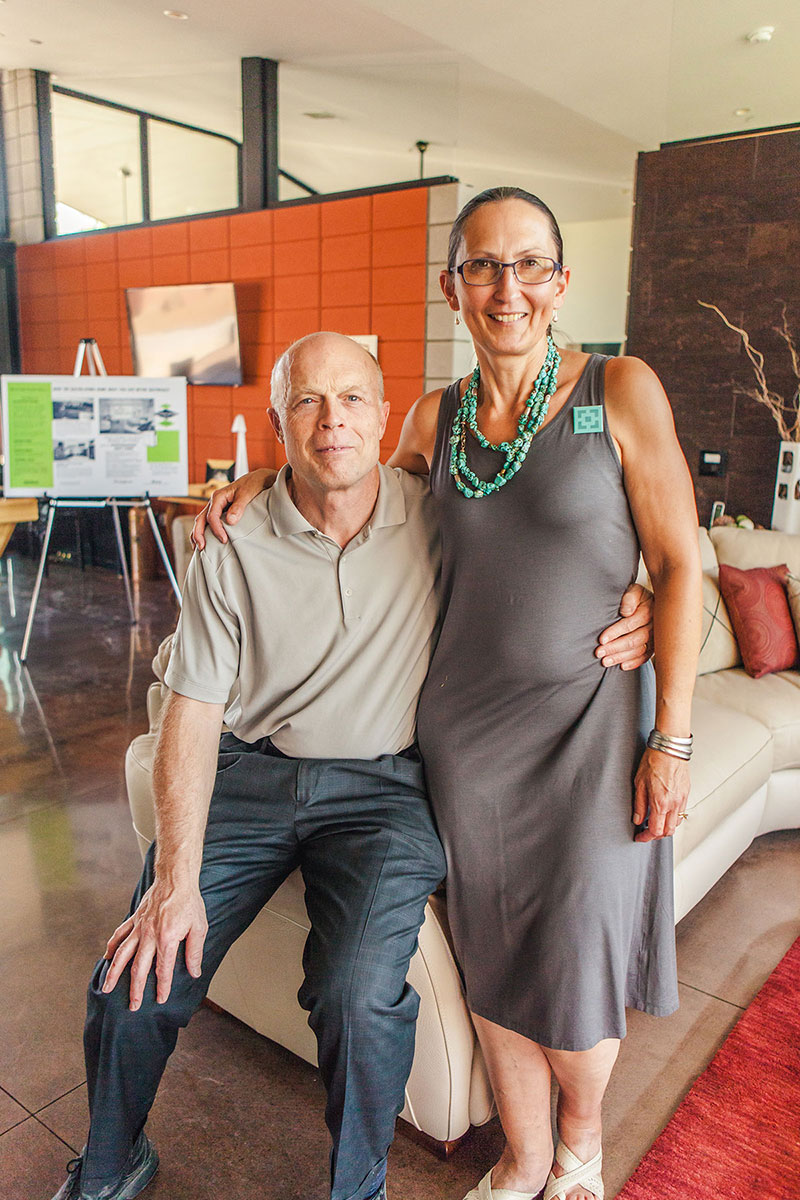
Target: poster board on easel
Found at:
83, 436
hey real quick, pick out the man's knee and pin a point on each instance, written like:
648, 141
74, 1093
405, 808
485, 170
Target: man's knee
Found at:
360, 996
183, 1000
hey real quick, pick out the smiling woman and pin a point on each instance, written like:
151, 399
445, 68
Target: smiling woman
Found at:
559, 871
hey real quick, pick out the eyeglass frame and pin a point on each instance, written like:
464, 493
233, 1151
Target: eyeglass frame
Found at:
557, 266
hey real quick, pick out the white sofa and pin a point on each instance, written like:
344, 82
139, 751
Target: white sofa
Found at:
745, 782
746, 768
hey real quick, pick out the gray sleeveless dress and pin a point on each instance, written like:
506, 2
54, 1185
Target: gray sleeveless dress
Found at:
559, 918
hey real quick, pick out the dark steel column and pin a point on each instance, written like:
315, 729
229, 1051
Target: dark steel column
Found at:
259, 133
45, 119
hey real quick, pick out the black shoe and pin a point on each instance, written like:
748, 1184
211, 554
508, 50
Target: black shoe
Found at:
139, 1170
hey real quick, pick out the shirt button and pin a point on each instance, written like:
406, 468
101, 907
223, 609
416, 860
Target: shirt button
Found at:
348, 591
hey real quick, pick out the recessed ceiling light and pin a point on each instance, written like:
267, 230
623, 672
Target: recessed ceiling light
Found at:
742, 112
762, 34
321, 116
175, 14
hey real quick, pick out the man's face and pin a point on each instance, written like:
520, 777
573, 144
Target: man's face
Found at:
333, 418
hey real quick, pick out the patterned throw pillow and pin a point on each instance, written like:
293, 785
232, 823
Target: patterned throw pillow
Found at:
759, 610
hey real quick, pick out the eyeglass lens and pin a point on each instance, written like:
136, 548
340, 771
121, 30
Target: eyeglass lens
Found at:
527, 270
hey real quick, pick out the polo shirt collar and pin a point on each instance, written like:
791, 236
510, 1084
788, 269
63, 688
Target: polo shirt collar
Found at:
390, 508
286, 518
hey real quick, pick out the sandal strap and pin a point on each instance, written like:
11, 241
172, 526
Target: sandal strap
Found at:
575, 1172
485, 1191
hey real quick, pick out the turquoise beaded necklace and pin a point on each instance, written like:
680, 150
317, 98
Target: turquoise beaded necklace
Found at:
530, 422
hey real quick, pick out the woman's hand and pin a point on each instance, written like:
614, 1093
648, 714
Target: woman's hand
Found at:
235, 497
629, 641
661, 793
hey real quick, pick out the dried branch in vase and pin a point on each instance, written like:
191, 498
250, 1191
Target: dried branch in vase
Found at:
786, 413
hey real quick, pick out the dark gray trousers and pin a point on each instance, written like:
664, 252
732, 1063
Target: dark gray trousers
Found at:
363, 836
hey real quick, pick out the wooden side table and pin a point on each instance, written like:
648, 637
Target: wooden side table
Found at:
13, 510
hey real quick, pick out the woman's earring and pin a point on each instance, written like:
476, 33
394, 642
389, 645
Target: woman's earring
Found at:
555, 315
458, 319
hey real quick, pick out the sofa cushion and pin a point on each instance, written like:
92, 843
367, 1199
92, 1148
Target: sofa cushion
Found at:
793, 596
718, 648
773, 700
746, 548
732, 759
759, 610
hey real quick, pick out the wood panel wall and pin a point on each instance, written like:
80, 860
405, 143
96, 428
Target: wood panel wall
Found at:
719, 221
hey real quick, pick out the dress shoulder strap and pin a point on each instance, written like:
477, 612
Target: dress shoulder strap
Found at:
441, 455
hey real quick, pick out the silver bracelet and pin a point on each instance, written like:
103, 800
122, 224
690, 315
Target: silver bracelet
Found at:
678, 747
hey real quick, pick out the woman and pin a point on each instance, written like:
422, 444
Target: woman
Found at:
550, 469
560, 916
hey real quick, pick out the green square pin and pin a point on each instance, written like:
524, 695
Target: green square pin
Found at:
587, 418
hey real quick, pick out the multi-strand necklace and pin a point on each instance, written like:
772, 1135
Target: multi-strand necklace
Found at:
530, 422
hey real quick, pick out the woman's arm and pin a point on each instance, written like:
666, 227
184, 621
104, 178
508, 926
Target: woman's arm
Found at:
661, 497
418, 436
235, 497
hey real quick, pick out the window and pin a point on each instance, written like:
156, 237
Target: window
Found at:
118, 166
190, 172
97, 159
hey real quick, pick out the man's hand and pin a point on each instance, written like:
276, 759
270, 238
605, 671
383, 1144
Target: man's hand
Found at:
165, 916
235, 497
661, 792
629, 641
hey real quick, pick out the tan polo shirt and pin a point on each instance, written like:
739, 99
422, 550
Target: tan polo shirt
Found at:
321, 649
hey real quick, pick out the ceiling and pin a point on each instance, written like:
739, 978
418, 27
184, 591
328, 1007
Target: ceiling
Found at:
555, 95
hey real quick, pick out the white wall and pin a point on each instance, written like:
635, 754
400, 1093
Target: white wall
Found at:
598, 254
23, 172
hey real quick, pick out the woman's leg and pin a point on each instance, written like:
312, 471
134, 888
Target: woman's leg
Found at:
582, 1080
519, 1072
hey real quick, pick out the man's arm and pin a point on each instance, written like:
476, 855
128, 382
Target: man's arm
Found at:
172, 908
628, 643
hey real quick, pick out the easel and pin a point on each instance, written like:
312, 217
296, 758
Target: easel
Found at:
89, 351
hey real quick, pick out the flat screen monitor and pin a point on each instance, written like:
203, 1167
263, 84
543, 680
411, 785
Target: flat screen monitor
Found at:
189, 329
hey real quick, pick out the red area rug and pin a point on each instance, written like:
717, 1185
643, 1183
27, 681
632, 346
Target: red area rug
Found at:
736, 1136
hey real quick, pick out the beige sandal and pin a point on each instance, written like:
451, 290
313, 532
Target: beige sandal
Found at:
484, 1191
575, 1172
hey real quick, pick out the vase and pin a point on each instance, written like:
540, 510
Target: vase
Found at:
786, 506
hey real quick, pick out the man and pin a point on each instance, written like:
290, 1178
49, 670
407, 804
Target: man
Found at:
310, 631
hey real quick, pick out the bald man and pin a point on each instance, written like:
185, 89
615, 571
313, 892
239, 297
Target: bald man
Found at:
310, 632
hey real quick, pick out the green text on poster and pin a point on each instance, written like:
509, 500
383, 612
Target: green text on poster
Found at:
30, 435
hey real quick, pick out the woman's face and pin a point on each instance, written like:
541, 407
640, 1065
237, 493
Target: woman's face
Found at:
506, 317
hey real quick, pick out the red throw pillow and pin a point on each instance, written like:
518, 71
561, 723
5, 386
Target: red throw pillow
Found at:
759, 610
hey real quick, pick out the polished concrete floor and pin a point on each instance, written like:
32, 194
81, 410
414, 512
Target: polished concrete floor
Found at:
237, 1116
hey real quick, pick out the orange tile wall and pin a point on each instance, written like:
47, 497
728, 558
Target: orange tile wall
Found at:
355, 265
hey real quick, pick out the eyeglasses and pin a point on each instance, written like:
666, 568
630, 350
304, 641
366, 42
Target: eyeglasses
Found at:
479, 272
